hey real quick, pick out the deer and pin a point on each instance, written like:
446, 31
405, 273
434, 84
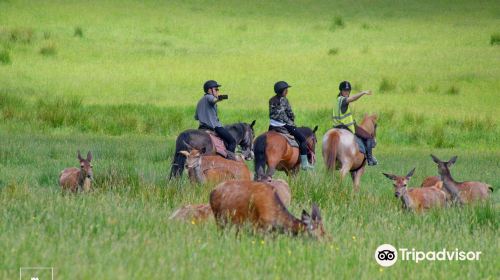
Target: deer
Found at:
432, 181
213, 169
460, 192
197, 213
78, 179
416, 199
261, 206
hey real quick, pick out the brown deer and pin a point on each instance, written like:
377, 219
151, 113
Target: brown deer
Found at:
74, 179
213, 169
461, 192
197, 213
418, 199
260, 205
432, 181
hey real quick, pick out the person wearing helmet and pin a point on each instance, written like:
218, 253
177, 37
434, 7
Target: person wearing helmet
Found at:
206, 114
342, 118
282, 116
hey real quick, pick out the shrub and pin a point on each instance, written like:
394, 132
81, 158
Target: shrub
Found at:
49, 49
333, 51
495, 39
5, 57
387, 85
78, 32
453, 90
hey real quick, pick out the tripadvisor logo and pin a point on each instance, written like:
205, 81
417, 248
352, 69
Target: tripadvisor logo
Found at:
386, 255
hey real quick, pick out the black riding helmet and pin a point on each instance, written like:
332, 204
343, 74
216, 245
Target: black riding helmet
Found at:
210, 84
345, 85
280, 86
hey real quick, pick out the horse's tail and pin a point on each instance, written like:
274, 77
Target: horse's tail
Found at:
179, 160
331, 151
259, 150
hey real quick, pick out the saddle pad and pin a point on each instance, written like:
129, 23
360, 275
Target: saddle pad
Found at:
361, 144
219, 145
287, 135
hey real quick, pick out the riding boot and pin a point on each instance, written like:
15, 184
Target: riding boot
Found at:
304, 163
369, 156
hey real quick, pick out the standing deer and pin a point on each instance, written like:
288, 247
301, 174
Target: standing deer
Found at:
417, 199
201, 212
74, 179
213, 169
464, 192
260, 205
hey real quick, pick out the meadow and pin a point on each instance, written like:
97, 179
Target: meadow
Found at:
121, 78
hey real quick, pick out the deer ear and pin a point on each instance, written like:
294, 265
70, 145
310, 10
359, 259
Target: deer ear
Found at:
306, 218
184, 153
408, 176
452, 161
89, 156
79, 156
435, 159
315, 129
252, 124
390, 176
315, 214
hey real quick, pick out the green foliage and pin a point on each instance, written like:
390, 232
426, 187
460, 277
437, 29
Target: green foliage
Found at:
387, 85
49, 49
78, 32
495, 39
5, 57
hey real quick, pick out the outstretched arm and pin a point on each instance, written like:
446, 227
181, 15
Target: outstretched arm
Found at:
358, 96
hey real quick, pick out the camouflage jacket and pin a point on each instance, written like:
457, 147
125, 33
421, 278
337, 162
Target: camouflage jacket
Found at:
280, 110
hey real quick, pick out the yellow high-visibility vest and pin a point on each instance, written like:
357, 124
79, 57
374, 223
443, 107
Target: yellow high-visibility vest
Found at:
345, 118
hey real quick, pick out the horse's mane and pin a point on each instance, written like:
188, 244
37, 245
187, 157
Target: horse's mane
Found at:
306, 131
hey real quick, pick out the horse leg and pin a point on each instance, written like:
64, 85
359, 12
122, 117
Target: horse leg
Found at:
356, 178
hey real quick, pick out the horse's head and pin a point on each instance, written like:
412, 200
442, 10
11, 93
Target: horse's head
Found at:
311, 140
246, 143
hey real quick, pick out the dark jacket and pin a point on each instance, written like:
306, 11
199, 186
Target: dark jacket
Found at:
280, 110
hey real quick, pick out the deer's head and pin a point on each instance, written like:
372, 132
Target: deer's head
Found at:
443, 166
193, 158
400, 183
313, 222
86, 166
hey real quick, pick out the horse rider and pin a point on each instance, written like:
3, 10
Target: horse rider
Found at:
342, 118
206, 114
282, 116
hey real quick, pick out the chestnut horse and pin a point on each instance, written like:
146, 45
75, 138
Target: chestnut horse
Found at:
340, 144
273, 149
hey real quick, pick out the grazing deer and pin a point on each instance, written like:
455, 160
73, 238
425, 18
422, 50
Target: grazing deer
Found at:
260, 204
74, 179
464, 192
417, 199
213, 169
201, 212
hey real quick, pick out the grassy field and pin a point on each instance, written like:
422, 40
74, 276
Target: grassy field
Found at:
121, 78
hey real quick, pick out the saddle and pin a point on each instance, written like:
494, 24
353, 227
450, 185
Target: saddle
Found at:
289, 138
220, 147
359, 140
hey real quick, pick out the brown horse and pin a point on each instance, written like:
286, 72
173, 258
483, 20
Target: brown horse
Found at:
273, 150
340, 144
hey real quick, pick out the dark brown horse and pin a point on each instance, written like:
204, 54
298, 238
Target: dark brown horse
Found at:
273, 150
200, 140
340, 150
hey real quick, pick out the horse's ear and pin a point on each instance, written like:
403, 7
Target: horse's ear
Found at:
184, 153
315, 129
252, 124
79, 156
187, 145
390, 176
